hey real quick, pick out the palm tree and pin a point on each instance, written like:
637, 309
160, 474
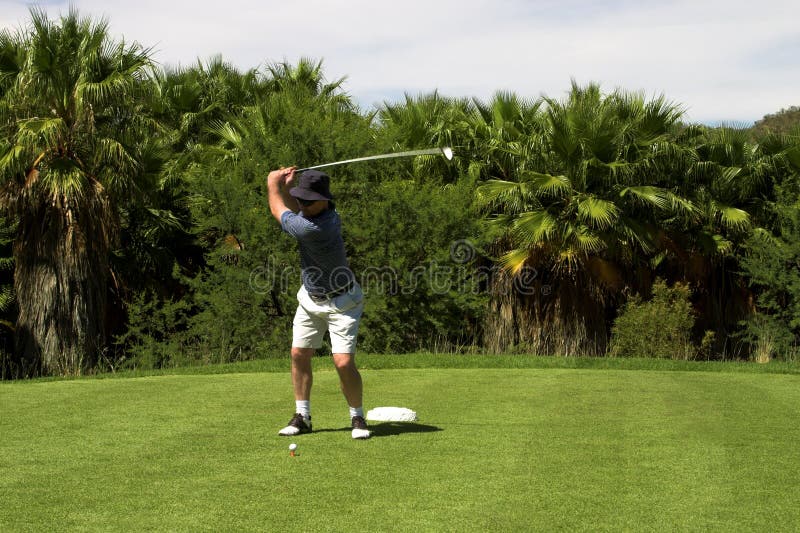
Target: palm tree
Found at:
579, 206
502, 134
730, 179
188, 103
72, 147
424, 121
189, 99
307, 77
8, 300
280, 124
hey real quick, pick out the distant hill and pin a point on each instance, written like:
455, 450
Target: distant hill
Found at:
783, 121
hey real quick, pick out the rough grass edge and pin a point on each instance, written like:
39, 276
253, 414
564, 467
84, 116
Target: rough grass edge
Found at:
455, 361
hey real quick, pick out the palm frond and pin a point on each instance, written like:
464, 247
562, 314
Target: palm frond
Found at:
682, 206
585, 240
511, 195
647, 196
105, 90
636, 234
731, 217
161, 220
62, 178
110, 152
7, 298
670, 151
729, 174
514, 260
703, 171
657, 259
227, 133
12, 58
547, 185
713, 244
534, 227
13, 159
620, 171
793, 156
764, 236
44, 132
598, 213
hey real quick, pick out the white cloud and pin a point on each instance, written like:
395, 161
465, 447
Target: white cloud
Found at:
723, 60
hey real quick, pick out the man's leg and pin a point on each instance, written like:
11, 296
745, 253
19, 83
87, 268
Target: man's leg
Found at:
353, 389
307, 335
302, 377
350, 378
343, 327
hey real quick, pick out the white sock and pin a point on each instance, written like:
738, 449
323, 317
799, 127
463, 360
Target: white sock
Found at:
303, 407
356, 411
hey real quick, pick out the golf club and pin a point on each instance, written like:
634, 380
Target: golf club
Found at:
447, 152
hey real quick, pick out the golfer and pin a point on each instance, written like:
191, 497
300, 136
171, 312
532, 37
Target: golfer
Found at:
329, 298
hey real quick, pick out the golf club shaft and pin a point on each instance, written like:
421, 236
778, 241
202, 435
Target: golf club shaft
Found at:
427, 151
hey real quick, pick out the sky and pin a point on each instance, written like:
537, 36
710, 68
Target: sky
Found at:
723, 61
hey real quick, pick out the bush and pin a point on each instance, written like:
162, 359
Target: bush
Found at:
147, 342
660, 327
772, 265
412, 250
237, 303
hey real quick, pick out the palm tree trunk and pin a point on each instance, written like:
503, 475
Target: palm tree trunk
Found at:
547, 318
61, 256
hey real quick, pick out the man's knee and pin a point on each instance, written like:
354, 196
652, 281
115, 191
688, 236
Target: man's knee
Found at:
302, 354
344, 361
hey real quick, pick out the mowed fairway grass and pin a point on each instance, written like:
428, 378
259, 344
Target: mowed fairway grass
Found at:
500, 449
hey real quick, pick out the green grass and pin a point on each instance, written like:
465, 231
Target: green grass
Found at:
280, 363
501, 449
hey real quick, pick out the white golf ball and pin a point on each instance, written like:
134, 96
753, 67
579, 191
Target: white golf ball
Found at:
292, 447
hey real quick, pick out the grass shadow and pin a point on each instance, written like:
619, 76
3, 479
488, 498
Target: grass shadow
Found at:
386, 429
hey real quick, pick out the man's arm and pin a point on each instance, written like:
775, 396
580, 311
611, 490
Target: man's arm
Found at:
280, 201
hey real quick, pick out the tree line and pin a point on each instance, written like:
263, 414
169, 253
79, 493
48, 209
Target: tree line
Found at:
135, 229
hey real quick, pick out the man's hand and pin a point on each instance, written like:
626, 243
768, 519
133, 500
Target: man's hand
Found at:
279, 177
278, 192
289, 181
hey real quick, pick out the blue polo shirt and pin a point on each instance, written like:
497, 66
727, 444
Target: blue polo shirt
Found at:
322, 256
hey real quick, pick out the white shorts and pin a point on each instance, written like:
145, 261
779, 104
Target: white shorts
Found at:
339, 315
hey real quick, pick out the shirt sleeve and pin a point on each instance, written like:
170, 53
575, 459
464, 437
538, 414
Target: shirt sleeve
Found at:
297, 226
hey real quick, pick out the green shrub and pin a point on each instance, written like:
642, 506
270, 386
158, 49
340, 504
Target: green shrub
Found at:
149, 340
660, 327
769, 338
413, 252
772, 266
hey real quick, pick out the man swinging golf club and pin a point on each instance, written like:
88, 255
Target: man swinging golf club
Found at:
329, 298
